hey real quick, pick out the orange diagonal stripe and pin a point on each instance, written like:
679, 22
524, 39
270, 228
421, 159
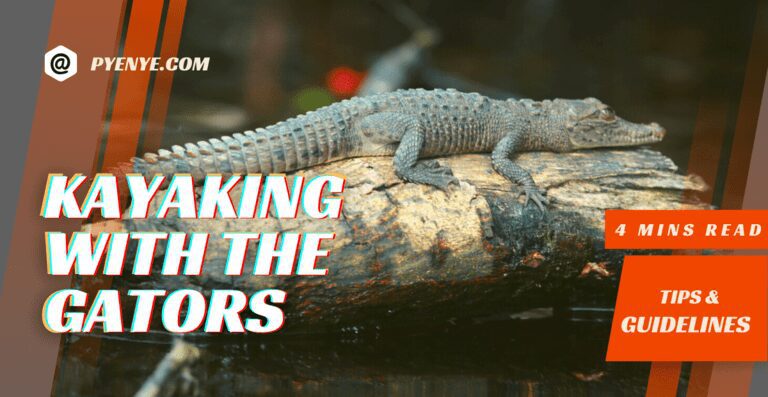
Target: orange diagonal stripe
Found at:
161, 91
662, 381
130, 98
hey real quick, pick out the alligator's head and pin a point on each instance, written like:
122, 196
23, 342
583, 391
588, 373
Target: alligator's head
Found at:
590, 123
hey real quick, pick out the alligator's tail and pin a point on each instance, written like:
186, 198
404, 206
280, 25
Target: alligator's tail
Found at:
275, 149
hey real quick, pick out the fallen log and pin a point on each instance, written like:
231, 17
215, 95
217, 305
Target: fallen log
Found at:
406, 253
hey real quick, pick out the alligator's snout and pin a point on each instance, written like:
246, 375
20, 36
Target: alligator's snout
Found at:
658, 132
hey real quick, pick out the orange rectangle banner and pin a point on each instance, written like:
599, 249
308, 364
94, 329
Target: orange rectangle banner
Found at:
691, 308
686, 229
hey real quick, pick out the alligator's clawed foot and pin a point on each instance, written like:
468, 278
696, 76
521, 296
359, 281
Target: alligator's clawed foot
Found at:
430, 172
440, 176
538, 197
435, 166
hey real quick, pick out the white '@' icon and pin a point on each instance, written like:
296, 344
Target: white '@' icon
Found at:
60, 63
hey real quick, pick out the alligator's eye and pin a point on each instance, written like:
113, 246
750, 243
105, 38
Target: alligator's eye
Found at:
607, 114
596, 114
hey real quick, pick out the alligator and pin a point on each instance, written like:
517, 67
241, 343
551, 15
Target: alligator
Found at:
411, 125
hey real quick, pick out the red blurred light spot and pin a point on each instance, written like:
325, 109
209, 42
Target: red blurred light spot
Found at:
343, 81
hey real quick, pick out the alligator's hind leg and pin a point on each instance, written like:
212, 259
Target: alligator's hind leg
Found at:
428, 172
385, 130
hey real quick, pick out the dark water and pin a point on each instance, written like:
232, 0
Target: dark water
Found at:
501, 358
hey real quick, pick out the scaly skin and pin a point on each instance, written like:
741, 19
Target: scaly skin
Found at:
409, 125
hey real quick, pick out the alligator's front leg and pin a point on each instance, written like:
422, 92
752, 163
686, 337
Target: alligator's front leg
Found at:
502, 163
